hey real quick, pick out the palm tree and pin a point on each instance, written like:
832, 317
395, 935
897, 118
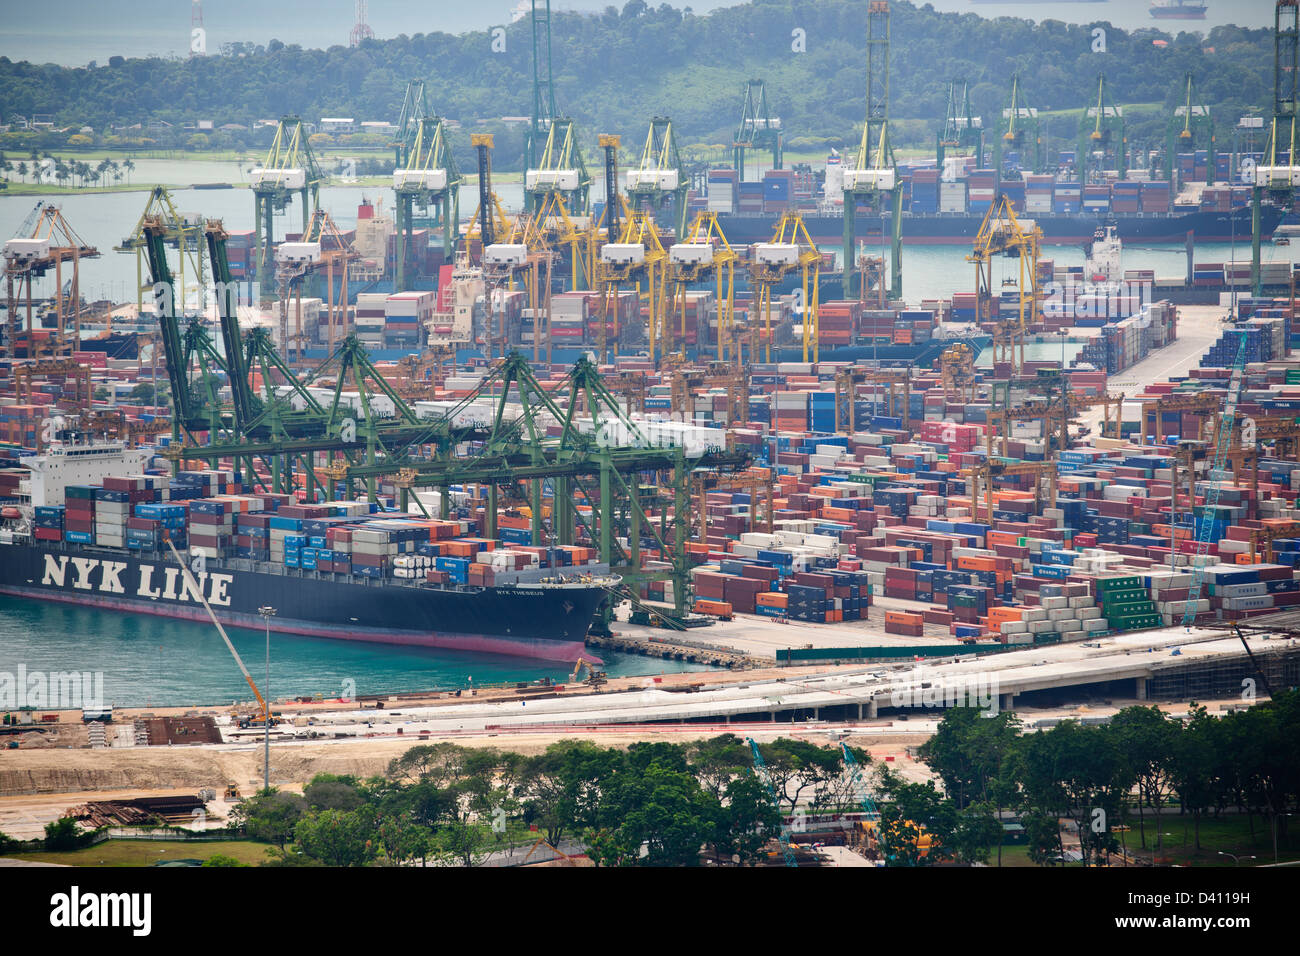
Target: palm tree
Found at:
130, 166
22, 171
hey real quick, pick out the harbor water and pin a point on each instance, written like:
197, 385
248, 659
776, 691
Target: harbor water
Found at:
149, 661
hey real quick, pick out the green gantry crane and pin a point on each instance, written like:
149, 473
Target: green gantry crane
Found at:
758, 128
1189, 123
289, 168
1018, 130
661, 176
872, 180
1277, 177
961, 129
428, 179
1101, 131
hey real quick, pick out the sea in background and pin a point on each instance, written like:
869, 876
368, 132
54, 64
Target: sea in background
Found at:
103, 220
150, 661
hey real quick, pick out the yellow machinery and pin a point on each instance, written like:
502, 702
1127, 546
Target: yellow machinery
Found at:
637, 256
756, 482
702, 254
1206, 406
1110, 426
1053, 416
982, 476
43, 241
1003, 233
957, 369
898, 385
790, 250
334, 255
686, 383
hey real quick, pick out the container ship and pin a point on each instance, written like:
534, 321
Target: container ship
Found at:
946, 205
336, 570
1178, 9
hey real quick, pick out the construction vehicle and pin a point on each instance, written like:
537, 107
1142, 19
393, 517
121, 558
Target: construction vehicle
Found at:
595, 679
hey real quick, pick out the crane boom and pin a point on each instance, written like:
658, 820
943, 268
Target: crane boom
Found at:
760, 771
1212, 495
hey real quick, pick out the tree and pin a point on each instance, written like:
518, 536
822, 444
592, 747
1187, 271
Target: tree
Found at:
143, 393
1148, 739
218, 859
969, 750
129, 166
717, 761
337, 837
63, 834
747, 822
80, 139
658, 817
1193, 767
270, 816
329, 792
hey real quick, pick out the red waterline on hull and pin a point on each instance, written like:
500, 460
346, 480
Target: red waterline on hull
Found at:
559, 651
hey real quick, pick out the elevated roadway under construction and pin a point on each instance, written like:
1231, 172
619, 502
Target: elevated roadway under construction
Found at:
1130, 665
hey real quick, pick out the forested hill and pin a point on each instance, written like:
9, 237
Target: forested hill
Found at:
615, 70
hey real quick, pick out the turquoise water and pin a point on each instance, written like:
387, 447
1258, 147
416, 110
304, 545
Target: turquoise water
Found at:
152, 661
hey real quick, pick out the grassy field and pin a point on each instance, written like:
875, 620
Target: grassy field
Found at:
149, 852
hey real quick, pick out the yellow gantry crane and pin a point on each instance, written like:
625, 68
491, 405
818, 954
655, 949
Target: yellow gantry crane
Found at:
1002, 232
982, 475
704, 253
790, 250
44, 241
638, 256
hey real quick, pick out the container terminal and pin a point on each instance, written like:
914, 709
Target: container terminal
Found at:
692, 409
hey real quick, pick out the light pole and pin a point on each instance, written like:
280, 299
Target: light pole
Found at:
267, 613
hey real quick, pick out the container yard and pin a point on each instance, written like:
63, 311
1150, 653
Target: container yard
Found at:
448, 467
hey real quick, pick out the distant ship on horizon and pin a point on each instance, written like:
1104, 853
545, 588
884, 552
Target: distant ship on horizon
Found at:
1179, 9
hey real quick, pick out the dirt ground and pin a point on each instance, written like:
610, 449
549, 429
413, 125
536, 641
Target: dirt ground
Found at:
41, 784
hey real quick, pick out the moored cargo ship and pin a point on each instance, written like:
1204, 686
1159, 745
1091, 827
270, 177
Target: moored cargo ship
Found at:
86, 530
546, 619
959, 229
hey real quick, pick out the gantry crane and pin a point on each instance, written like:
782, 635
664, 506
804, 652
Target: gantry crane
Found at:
638, 255
1278, 175
756, 482
982, 475
415, 107
1002, 232
703, 254
322, 252
758, 128
1189, 123
526, 253
661, 175
560, 169
686, 383
898, 385
289, 167
872, 180
1101, 129
791, 250
1222, 440
1205, 405
957, 371
192, 358
428, 178
1018, 130
45, 241
961, 129
184, 234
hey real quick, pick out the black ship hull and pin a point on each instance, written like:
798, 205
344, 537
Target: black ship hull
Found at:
547, 622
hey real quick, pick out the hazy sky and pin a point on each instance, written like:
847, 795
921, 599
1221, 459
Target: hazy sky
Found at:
73, 32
